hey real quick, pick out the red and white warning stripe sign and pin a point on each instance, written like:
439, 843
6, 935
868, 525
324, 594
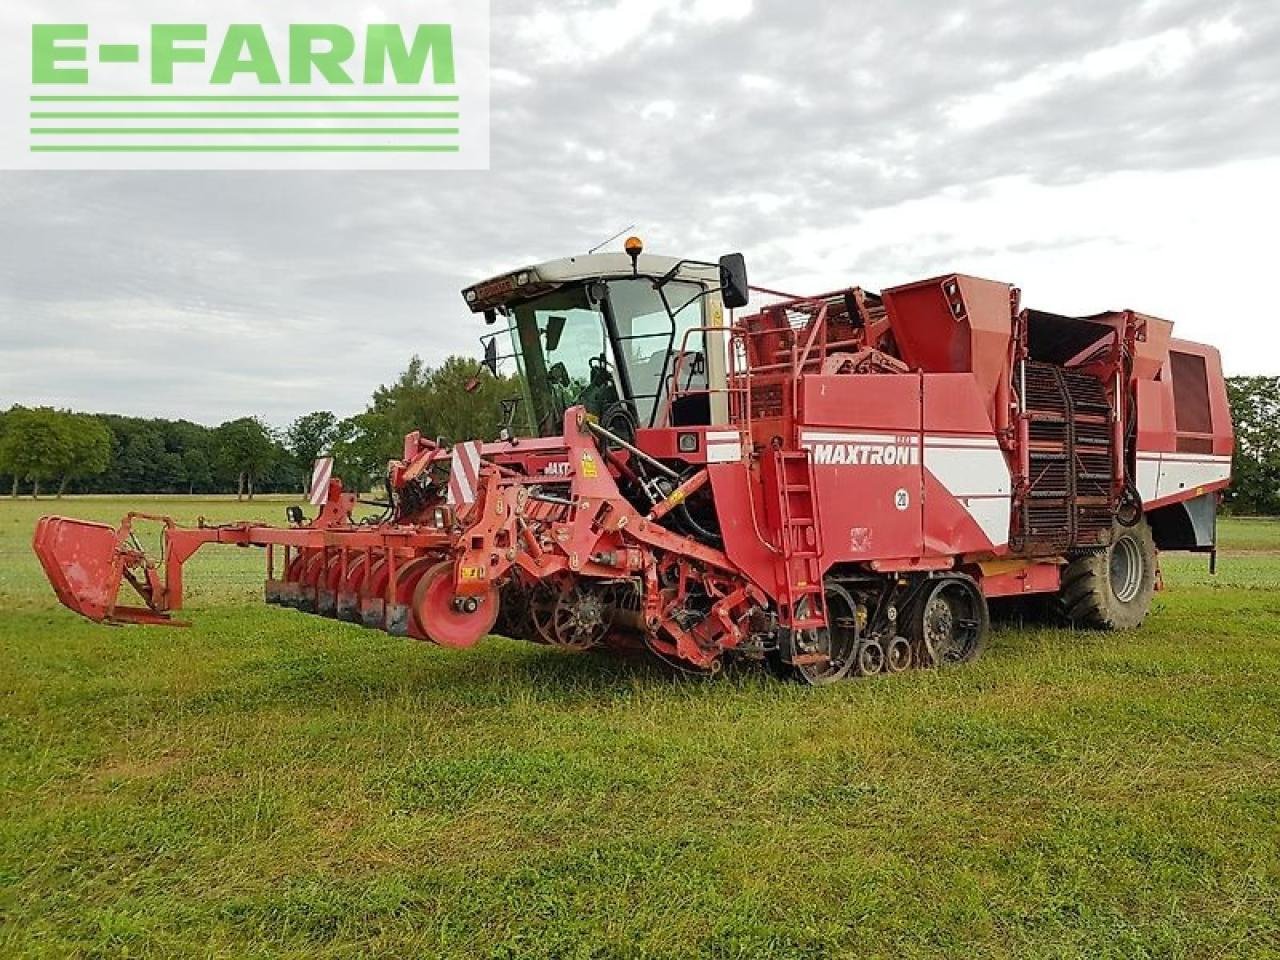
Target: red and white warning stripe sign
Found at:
320, 475
464, 475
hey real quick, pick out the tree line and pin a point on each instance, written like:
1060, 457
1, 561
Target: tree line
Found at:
1255, 470
46, 450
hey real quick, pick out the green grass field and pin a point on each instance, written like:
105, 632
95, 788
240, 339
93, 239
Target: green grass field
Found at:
271, 784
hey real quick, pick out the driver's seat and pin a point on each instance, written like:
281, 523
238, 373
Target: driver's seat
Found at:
691, 410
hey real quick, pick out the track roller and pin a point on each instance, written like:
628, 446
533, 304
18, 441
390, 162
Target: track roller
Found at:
898, 655
870, 658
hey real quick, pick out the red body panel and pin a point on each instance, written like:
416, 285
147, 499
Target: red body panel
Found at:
1185, 440
956, 324
969, 487
748, 541
863, 434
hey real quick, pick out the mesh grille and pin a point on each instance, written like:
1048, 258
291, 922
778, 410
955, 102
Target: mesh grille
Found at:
1068, 504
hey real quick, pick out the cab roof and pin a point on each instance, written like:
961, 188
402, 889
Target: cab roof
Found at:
538, 278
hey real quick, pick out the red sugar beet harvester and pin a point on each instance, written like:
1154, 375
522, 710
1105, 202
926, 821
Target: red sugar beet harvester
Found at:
830, 485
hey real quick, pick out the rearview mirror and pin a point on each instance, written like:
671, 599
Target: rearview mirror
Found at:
733, 281
555, 329
490, 361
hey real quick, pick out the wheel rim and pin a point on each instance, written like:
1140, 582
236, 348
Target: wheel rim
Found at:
1125, 569
951, 623
439, 618
542, 610
898, 655
579, 620
870, 658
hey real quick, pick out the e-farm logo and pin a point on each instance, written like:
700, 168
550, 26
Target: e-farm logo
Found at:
407, 90
315, 50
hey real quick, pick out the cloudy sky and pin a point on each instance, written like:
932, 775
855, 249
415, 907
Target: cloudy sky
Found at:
1098, 154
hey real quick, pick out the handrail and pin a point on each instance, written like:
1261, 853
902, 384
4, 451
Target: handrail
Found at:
816, 324
741, 370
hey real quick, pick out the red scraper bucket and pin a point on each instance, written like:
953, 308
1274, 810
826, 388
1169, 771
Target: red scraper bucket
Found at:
85, 564
79, 558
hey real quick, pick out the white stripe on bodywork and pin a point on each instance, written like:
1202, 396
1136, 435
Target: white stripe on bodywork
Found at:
460, 489
1148, 477
1189, 457
938, 440
1168, 474
978, 477
888, 436
727, 451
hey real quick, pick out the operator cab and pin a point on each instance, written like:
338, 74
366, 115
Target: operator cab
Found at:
614, 332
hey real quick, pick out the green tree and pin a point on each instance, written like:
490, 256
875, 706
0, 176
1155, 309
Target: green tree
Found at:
9, 459
407, 400
198, 469
308, 437
192, 443
361, 448
245, 450
456, 400
86, 448
140, 455
4, 418
36, 446
1255, 411
467, 402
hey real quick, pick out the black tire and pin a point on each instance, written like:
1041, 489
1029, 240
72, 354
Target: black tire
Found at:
949, 622
1111, 589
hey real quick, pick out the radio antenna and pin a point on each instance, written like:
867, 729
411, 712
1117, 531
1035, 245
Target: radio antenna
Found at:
611, 239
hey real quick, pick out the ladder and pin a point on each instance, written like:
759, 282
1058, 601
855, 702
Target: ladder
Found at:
803, 604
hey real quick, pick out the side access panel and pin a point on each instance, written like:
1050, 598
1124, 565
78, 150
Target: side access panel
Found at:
863, 432
738, 492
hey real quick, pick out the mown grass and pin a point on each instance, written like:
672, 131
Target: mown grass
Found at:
270, 784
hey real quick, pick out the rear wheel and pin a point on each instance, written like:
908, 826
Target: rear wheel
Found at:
1112, 589
949, 623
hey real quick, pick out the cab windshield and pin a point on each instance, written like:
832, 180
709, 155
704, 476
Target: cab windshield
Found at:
606, 344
